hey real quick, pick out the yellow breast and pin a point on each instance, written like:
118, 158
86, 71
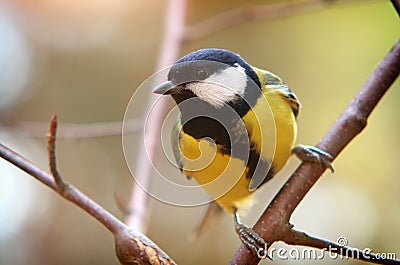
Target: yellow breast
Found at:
271, 127
220, 175
277, 130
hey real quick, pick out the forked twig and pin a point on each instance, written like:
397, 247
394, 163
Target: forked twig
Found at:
131, 246
274, 222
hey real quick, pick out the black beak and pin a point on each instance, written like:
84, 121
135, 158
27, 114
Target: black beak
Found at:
166, 88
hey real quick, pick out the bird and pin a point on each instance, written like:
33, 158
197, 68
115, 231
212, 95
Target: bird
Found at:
236, 130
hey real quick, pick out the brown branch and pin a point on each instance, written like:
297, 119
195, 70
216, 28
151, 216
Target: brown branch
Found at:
76, 131
131, 246
273, 222
169, 52
262, 12
72, 194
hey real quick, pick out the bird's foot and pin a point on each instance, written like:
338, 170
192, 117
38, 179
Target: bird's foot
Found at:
313, 154
251, 239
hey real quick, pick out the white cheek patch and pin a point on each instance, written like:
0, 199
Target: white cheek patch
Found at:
221, 87
215, 94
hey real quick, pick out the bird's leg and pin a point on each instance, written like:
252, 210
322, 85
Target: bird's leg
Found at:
250, 238
313, 154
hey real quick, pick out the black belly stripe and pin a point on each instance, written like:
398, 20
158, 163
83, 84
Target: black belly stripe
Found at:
200, 120
203, 127
260, 171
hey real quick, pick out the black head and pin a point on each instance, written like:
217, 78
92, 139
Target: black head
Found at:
216, 76
194, 65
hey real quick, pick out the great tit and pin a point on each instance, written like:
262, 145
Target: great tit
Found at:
236, 130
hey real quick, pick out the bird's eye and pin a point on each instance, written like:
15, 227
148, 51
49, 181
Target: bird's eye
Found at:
201, 74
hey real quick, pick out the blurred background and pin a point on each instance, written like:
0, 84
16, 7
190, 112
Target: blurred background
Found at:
84, 60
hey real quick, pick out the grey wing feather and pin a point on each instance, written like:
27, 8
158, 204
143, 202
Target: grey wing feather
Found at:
175, 136
271, 78
291, 97
277, 83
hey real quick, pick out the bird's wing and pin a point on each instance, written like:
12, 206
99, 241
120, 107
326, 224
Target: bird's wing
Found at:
175, 136
274, 82
291, 97
270, 78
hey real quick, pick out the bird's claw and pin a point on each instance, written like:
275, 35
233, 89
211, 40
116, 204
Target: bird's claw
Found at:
252, 240
313, 154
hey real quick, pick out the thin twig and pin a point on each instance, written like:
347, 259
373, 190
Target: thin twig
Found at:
121, 205
131, 246
169, 52
77, 131
262, 12
73, 195
51, 150
271, 225
27, 166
